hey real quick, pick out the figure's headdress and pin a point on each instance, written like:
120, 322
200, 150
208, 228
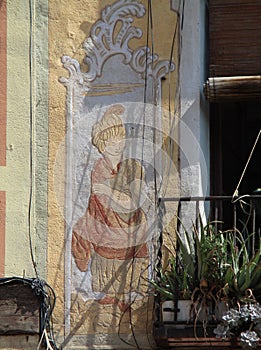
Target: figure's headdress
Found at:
109, 126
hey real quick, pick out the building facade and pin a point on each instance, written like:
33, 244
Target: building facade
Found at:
102, 114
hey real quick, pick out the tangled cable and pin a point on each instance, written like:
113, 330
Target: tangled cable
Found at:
47, 299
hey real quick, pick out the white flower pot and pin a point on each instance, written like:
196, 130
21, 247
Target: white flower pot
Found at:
167, 308
183, 314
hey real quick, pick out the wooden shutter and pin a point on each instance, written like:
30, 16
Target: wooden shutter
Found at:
234, 37
19, 307
234, 50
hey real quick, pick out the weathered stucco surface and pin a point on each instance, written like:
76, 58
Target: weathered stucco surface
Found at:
39, 33
27, 124
16, 177
23, 174
69, 25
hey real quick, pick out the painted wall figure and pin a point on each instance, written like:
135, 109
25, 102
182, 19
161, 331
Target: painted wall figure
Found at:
110, 238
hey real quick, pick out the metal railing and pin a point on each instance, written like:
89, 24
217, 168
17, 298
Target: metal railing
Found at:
227, 211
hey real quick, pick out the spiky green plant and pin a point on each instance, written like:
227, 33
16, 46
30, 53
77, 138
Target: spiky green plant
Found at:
203, 252
172, 282
243, 276
198, 261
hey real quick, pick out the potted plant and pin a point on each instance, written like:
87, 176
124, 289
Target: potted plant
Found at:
243, 276
172, 287
242, 322
203, 252
195, 273
213, 268
243, 291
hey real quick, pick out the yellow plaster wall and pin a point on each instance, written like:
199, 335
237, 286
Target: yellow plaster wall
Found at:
15, 177
24, 176
69, 25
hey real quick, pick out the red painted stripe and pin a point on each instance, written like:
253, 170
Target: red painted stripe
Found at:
3, 82
2, 233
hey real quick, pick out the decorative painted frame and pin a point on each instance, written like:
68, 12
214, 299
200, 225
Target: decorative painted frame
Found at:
107, 48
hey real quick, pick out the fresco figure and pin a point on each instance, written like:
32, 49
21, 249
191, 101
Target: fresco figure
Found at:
110, 238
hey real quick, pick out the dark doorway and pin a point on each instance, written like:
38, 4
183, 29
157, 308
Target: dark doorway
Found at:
234, 129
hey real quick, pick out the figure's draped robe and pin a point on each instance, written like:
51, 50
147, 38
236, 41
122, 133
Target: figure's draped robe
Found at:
110, 238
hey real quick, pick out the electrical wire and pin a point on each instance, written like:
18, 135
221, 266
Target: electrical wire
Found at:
40, 287
31, 73
149, 15
172, 119
47, 300
149, 29
180, 18
245, 168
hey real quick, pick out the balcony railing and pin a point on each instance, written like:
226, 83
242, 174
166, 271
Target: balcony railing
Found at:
227, 213
242, 213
